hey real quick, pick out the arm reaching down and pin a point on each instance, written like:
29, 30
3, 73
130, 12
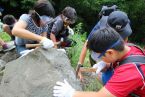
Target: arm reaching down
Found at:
64, 89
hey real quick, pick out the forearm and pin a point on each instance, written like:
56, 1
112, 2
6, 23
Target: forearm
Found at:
53, 38
23, 33
44, 34
83, 54
85, 94
101, 93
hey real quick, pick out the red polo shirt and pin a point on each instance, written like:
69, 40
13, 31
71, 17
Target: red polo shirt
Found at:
127, 78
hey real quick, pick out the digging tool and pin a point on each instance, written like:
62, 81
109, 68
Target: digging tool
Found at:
82, 69
38, 45
78, 69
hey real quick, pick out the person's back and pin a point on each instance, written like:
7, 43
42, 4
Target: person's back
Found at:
103, 14
102, 23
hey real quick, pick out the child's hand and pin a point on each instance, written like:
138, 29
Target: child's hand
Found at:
46, 43
63, 89
99, 66
70, 30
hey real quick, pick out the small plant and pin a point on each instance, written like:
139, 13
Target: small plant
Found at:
74, 52
90, 83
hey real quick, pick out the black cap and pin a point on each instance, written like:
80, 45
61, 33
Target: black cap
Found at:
106, 10
120, 22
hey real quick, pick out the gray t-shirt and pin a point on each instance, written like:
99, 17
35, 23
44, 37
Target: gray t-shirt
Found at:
57, 26
32, 27
58, 29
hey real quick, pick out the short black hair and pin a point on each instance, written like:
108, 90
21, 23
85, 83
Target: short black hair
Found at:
104, 39
70, 13
9, 19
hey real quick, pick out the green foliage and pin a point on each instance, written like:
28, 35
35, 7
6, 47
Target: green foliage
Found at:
88, 12
27, 4
22, 4
90, 83
75, 51
5, 36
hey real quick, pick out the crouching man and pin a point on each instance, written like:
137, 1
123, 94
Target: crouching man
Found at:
128, 77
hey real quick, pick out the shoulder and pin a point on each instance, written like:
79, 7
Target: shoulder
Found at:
58, 20
135, 50
103, 21
24, 17
124, 75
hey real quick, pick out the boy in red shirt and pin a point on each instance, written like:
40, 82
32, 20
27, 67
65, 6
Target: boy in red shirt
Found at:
127, 77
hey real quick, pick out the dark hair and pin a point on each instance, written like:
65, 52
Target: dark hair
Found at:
9, 19
35, 17
69, 12
42, 7
104, 39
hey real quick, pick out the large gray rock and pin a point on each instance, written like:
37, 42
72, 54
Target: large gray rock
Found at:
35, 75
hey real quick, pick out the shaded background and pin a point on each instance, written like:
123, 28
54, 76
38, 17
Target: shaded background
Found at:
87, 11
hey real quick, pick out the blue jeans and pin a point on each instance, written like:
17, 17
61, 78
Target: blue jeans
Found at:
106, 76
20, 48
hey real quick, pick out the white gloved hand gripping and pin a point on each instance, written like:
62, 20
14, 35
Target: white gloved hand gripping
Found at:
70, 31
63, 89
99, 66
46, 43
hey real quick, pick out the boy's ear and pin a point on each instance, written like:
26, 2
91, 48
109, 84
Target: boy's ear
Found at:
110, 52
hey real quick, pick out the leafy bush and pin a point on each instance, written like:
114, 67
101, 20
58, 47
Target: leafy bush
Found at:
90, 82
88, 10
74, 52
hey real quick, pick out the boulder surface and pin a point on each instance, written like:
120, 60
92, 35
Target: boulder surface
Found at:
35, 74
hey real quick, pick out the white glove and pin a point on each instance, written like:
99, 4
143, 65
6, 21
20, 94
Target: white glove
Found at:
62, 50
70, 30
25, 52
63, 89
46, 43
99, 66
